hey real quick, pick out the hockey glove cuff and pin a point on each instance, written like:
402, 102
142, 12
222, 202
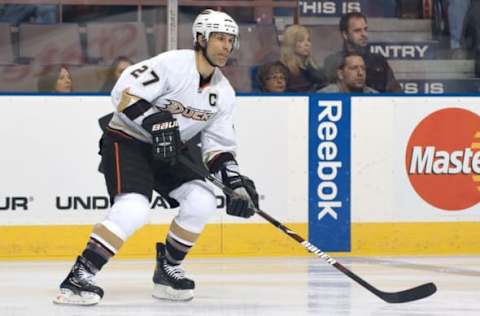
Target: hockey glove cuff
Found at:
245, 200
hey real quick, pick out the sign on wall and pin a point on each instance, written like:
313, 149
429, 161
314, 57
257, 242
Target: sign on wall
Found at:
415, 159
443, 163
362, 159
329, 172
406, 50
440, 86
49, 170
336, 8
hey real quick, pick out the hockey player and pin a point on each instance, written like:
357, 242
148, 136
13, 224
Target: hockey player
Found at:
161, 103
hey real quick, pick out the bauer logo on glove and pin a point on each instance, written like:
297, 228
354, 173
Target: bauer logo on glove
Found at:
164, 125
165, 136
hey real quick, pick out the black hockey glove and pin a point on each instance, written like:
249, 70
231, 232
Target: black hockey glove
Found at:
245, 200
166, 140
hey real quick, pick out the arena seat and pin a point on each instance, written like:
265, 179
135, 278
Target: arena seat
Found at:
6, 49
106, 41
51, 44
24, 78
184, 38
88, 78
325, 40
258, 44
160, 34
239, 77
17, 78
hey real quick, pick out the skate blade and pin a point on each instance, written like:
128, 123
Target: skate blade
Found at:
163, 292
67, 297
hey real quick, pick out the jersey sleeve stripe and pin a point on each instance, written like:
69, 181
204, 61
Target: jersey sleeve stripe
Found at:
137, 109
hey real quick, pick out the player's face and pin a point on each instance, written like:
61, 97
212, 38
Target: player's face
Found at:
303, 47
219, 48
64, 81
354, 73
357, 33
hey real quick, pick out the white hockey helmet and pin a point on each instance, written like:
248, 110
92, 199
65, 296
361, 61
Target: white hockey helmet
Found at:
215, 21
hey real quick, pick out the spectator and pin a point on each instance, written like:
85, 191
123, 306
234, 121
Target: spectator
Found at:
114, 72
457, 9
351, 76
295, 54
56, 79
273, 77
473, 25
354, 32
21, 13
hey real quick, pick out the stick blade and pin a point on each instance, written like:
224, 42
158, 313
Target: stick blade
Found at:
409, 295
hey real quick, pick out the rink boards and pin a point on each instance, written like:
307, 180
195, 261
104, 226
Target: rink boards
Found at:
361, 175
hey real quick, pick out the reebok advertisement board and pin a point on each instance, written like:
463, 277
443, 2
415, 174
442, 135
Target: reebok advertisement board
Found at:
329, 172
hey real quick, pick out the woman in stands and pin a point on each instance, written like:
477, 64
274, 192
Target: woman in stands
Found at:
295, 53
116, 69
56, 78
273, 77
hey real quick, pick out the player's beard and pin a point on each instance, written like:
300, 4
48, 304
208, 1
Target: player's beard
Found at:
357, 47
204, 52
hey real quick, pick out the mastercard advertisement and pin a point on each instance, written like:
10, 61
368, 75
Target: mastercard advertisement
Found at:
415, 159
442, 159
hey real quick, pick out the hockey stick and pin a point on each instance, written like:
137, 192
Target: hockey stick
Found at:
409, 295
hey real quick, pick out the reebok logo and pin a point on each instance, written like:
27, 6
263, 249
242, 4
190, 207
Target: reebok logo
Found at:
328, 163
443, 159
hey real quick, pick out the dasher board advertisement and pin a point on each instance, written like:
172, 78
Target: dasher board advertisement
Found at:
415, 159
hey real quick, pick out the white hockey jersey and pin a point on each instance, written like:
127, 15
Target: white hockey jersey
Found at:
171, 81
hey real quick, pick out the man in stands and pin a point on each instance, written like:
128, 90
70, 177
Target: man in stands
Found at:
354, 31
351, 76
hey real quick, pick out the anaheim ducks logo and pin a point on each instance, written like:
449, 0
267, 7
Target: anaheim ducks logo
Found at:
176, 107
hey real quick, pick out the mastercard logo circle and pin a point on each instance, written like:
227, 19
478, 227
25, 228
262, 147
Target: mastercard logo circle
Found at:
442, 159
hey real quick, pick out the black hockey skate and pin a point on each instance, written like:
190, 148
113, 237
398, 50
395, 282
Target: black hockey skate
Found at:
169, 281
78, 288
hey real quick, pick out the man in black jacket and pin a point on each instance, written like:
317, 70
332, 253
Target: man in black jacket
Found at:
473, 26
354, 31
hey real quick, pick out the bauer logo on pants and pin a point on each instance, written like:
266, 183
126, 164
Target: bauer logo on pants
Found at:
443, 159
329, 172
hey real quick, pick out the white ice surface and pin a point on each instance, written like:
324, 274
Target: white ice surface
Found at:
253, 286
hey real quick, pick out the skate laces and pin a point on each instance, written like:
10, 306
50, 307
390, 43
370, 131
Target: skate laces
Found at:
175, 272
85, 276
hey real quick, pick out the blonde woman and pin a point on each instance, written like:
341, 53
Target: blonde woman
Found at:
295, 54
